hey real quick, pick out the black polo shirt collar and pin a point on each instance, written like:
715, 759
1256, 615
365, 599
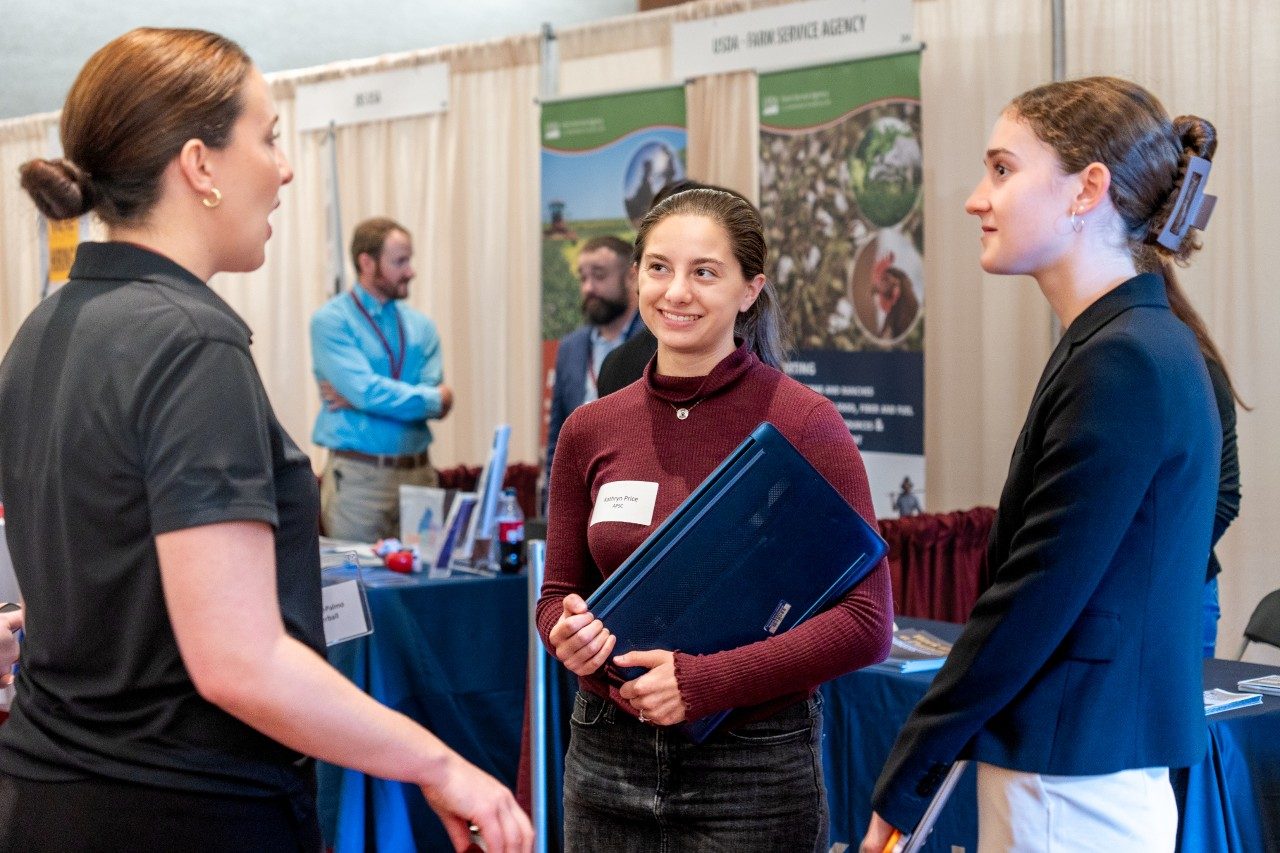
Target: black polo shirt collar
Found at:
127, 262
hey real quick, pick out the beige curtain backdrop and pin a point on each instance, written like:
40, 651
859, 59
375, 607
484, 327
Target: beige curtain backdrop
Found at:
466, 189
987, 337
1220, 61
466, 183
20, 140
724, 131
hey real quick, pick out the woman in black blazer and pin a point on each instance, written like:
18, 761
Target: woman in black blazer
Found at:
1076, 683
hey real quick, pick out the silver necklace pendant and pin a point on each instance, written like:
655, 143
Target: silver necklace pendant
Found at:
682, 412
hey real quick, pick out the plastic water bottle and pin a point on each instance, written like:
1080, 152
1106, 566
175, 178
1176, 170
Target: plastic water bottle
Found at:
510, 520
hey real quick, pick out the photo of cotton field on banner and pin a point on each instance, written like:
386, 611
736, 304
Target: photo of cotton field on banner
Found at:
841, 183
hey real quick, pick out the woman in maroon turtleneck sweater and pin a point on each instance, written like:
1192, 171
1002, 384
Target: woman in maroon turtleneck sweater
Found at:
632, 781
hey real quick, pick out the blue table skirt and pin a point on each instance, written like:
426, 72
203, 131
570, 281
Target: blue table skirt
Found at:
1228, 803
451, 654
1231, 800
862, 714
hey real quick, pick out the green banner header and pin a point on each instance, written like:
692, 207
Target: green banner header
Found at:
585, 123
807, 97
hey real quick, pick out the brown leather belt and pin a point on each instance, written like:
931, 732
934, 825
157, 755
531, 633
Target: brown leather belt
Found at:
416, 460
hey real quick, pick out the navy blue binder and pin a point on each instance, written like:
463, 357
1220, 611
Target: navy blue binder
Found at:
761, 545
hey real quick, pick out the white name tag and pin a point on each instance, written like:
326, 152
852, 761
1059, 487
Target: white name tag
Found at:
344, 612
626, 500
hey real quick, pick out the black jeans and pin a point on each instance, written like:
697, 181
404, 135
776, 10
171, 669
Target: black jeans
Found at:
629, 786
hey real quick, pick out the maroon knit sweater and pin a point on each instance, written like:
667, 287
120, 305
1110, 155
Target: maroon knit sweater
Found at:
634, 434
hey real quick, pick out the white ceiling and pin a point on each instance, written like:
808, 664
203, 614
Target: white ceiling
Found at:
43, 45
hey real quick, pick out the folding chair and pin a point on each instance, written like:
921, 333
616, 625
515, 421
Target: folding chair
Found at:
1264, 624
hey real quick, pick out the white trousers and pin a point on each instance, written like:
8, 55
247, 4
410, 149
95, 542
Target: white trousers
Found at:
1132, 811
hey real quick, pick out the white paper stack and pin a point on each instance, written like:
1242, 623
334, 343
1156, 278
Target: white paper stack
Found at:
1269, 684
1218, 700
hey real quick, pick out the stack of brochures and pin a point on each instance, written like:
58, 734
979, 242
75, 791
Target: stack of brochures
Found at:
1218, 700
1269, 684
915, 650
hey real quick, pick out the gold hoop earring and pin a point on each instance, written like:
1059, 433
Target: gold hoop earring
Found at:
213, 202
1077, 224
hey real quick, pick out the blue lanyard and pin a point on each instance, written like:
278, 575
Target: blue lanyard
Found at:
397, 364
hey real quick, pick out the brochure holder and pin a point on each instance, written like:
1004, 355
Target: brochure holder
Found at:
423, 510
477, 552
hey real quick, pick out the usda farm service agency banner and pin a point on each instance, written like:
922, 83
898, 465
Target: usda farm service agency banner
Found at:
840, 193
603, 160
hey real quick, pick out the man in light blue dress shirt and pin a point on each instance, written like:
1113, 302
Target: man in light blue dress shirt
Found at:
381, 378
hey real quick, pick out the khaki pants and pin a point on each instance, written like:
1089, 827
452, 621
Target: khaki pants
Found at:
361, 502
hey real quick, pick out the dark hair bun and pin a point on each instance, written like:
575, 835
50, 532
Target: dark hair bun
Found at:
1196, 136
60, 188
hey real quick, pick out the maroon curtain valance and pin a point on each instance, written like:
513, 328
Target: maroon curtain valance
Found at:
939, 562
521, 475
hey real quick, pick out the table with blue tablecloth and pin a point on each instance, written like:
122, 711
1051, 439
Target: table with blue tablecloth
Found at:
452, 655
1229, 803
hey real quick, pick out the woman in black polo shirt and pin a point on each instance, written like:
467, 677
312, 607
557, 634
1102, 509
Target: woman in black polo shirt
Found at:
162, 524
